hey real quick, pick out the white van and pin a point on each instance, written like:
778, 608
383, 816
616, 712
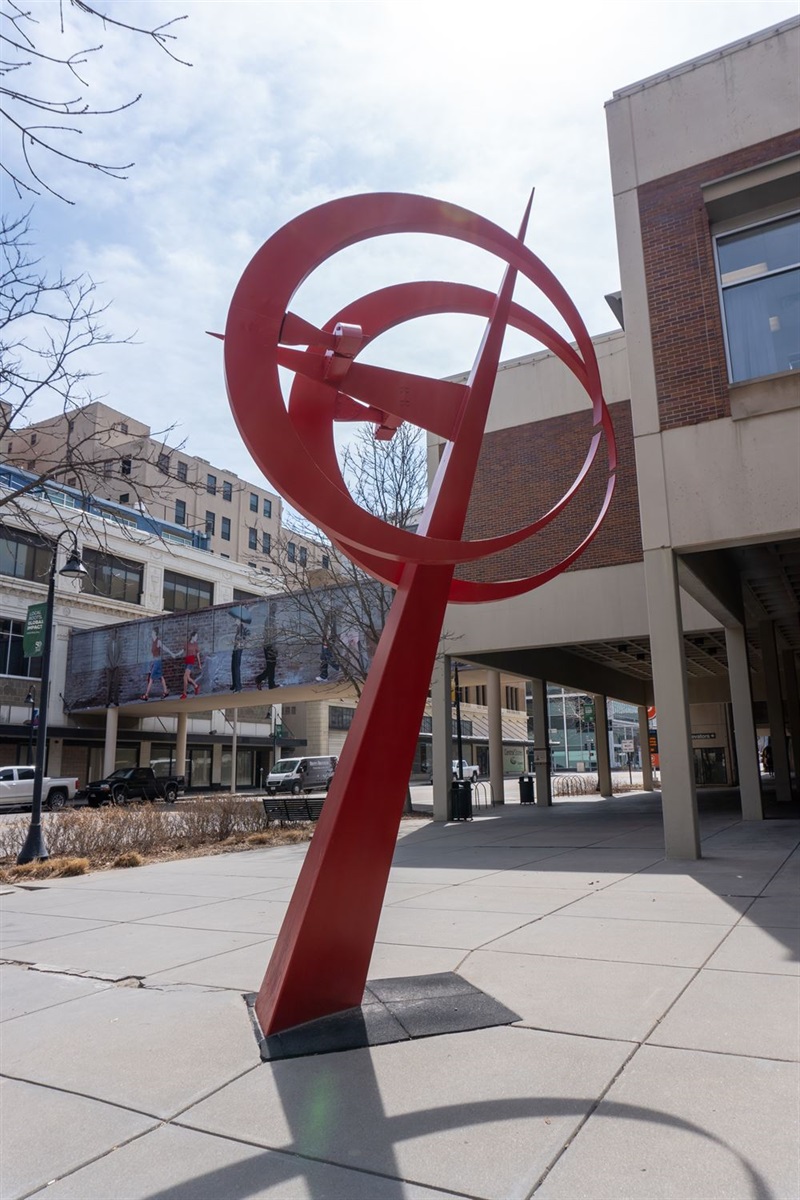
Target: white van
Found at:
298, 775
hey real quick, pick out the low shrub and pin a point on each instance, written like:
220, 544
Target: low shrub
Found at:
128, 836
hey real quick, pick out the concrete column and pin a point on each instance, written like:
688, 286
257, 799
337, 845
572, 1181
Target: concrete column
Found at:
55, 754
541, 741
110, 745
442, 724
678, 795
216, 763
601, 745
744, 730
792, 709
775, 711
180, 743
495, 737
644, 745
234, 747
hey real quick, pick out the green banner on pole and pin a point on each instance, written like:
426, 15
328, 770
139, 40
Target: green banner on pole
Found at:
33, 637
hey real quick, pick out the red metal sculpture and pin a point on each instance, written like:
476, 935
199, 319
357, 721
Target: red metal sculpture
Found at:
319, 964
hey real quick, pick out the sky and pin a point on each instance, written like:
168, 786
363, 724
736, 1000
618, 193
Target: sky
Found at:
288, 105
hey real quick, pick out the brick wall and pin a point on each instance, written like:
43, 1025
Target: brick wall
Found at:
524, 470
685, 318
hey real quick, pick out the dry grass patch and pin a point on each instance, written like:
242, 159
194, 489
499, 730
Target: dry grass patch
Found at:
136, 834
50, 868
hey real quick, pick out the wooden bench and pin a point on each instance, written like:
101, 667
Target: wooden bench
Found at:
286, 809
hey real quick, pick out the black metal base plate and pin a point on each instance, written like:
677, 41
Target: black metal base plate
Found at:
393, 1010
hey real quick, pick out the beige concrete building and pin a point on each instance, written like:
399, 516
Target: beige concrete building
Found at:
689, 597
110, 454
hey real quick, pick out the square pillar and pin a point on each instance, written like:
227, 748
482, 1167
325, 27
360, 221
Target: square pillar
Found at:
180, 743
442, 725
744, 730
541, 741
605, 784
110, 744
644, 749
495, 715
775, 711
789, 660
678, 795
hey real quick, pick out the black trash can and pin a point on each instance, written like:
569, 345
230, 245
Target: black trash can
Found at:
526, 789
461, 800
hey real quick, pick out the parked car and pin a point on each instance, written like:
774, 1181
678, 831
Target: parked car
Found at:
16, 787
298, 775
469, 771
132, 783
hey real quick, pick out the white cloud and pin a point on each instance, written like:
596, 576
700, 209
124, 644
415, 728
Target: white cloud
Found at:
290, 104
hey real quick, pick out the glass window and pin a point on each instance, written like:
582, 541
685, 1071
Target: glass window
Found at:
125, 466
759, 272
303, 556
211, 523
180, 512
227, 490
211, 485
113, 577
326, 562
225, 529
252, 539
241, 597
24, 555
108, 468
340, 718
182, 593
291, 551
163, 464
267, 508
124, 497
12, 660
182, 472
266, 543
253, 502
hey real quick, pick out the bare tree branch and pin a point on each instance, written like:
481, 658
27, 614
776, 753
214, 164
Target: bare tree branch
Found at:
19, 54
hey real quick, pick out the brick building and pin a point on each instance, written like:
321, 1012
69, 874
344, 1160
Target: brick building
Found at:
689, 597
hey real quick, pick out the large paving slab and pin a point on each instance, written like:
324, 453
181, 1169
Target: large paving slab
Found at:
118, 951
487, 898
182, 1164
598, 999
98, 904
72, 1131
243, 915
734, 1012
19, 928
671, 943
24, 990
456, 928
237, 970
152, 1051
676, 1125
704, 908
774, 950
479, 1113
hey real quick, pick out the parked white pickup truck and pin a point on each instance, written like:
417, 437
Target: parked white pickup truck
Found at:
16, 787
469, 771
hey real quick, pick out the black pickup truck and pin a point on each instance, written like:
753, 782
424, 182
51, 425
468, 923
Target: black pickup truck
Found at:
132, 783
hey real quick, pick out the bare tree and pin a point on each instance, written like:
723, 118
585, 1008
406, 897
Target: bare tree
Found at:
46, 325
45, 126
344, 610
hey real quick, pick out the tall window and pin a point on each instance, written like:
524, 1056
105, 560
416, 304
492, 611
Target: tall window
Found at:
163, 464
24, 555
267, 508
12, 660
125, 466
759, 273
225, 529
182, 472
211, 485
326, 562
291, 551
211, 523
114, 577
252, 539
266, 543
180, 512
303, 556
182, 593
253, 502
227, 489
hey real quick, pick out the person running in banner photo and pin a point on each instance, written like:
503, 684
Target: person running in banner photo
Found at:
191, 663
240, 637
270, 651
156, 672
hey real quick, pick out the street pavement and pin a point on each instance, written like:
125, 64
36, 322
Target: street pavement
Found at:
655, 1055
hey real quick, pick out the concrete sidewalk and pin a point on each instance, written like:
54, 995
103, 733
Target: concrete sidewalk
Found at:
656, 1053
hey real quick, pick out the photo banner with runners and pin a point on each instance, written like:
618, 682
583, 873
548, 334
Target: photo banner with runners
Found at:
277, 641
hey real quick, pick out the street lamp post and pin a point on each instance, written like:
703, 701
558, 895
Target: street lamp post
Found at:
30, 700
34, 846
